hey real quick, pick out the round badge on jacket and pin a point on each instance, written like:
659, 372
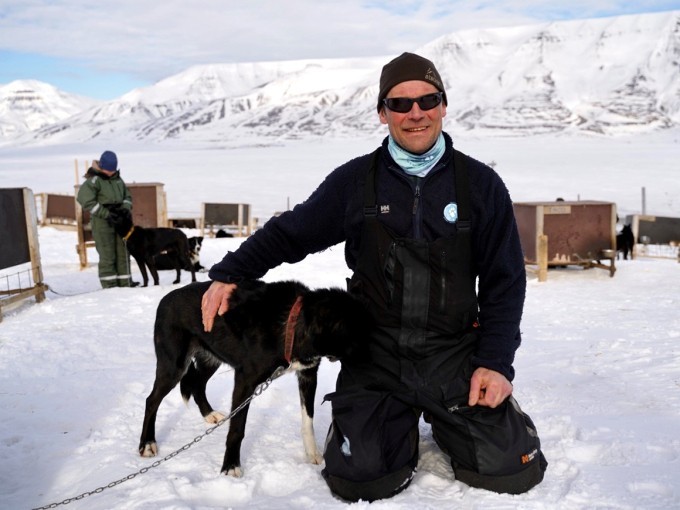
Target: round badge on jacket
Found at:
451, 212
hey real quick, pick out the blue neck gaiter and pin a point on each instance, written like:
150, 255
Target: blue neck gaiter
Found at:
417, 164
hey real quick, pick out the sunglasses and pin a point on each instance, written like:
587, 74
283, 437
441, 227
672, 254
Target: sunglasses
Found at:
404, 104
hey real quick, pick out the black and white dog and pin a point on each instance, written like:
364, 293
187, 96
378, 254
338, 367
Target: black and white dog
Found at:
144, 244
167, 259
267, 325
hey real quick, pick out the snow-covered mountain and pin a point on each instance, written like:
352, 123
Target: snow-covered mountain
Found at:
28, 105
606, 75
214, 101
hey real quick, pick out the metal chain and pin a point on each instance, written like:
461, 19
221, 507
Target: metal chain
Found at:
256, 393
50, 289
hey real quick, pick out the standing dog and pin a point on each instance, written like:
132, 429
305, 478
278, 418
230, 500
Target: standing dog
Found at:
145, 243
267, 325
165, 260
625, 242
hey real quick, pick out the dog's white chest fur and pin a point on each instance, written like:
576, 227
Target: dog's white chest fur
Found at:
296, 365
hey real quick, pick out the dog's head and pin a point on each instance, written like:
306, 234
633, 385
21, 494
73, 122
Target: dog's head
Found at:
195, 244
337, 324
121, 220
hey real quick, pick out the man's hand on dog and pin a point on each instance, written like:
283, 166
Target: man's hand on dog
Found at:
215, 301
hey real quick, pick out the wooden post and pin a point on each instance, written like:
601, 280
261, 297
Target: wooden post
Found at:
541, 245
162, 211
542, 255
614, 215
81, 247
33, 244
635, 227
42, 198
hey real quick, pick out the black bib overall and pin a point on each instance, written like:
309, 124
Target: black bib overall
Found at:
421, 293
422, 297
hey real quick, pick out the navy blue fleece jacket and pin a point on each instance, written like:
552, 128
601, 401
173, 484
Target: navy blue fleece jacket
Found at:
334, 213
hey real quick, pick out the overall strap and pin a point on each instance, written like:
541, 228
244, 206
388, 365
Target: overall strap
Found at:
370, 202
462, 192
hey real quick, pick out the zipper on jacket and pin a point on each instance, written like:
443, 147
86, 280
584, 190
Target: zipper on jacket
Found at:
417, 230
442, 268
455, 408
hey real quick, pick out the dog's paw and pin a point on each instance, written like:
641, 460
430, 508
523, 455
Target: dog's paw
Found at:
315, 458
214, 418
236, 472
149, 449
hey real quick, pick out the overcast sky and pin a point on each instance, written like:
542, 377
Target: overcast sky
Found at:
106, 48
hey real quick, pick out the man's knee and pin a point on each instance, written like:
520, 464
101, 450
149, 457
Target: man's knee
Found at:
372, 446
494, 449
372, 490
516, 483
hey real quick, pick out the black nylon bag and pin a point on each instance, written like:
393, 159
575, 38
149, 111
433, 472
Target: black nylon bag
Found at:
372, 445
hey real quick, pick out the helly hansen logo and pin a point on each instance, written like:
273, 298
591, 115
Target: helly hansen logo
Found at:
431, 76
385, 209
528, 457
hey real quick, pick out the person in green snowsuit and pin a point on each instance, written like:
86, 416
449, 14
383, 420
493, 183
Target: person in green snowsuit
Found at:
102, 191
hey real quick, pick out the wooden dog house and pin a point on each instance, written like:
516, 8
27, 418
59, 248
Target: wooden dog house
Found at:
655, 236
19, 232
558, 234
234, 217
56, 209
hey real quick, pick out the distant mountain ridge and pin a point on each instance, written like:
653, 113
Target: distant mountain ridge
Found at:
28, 105
607, 75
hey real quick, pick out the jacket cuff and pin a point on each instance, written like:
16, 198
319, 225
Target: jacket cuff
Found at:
496, 365
224, 278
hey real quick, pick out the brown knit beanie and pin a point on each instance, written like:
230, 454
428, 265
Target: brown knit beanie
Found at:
406, 67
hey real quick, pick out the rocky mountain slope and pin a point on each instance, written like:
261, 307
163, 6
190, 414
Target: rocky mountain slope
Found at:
607, 75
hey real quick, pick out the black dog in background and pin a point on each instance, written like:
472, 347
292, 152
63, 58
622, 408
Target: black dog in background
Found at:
268, 325
223, 233
145, 243
167, 259
625, 242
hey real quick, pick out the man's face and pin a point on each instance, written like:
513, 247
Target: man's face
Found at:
417, 130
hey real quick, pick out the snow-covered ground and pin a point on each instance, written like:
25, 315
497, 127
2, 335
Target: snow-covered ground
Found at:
598, 371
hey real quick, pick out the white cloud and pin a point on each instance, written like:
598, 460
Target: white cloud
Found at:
151, 40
